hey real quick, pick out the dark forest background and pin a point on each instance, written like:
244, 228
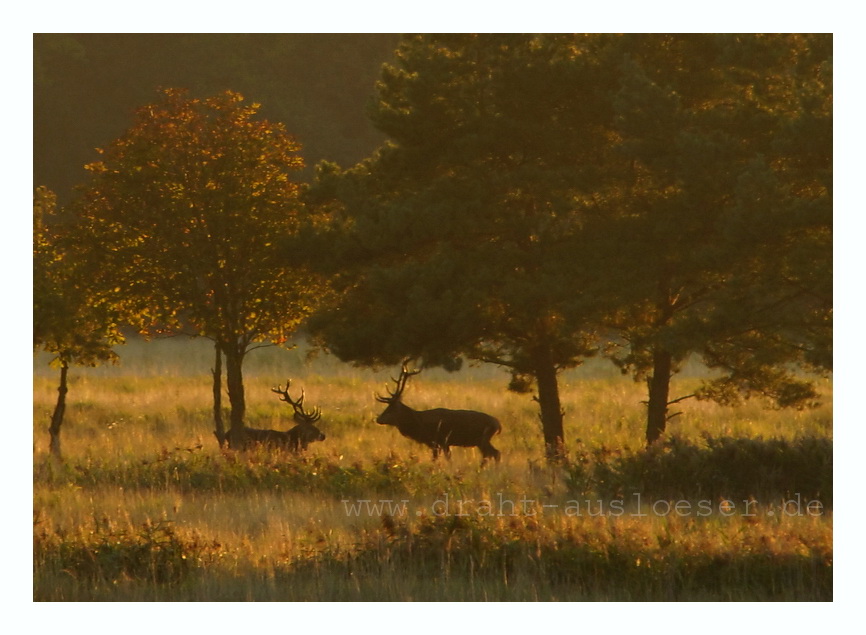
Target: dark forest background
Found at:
86, 87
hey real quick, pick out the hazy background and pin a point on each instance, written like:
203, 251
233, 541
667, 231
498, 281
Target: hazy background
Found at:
86, 88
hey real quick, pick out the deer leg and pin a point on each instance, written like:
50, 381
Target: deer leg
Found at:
447, 450
488, 452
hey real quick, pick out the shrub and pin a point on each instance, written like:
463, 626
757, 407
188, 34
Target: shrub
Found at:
724, 467
153, 553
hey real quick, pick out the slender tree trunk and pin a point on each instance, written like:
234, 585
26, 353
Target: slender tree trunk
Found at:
59, 410
659, 389
550, 406
235, 383
219, 428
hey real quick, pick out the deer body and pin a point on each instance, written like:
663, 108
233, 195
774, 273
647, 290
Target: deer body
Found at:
297, 438
439, 428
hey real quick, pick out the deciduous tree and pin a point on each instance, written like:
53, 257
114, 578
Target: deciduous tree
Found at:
186, 210
69, 320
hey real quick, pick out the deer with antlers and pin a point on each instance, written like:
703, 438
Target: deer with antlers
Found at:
439, 428
300, 436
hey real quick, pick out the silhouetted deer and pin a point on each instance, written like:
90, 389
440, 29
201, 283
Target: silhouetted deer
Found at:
440, 428
299, 437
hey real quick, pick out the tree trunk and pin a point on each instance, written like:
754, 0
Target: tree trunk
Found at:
235, 383
550, 406
659, 389
59, 410
219, 428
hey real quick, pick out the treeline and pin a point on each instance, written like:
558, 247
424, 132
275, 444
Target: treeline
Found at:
539, 200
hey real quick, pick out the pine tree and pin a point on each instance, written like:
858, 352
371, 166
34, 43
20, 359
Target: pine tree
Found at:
718, 243
461, 228
542, 197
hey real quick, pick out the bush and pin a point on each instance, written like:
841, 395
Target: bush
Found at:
153, 553
724, 467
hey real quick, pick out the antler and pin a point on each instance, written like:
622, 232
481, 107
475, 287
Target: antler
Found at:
405, 374
297, 406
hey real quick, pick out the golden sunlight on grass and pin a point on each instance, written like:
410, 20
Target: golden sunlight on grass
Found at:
145, 506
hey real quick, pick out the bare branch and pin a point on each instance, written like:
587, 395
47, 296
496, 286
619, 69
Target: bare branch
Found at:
679, 399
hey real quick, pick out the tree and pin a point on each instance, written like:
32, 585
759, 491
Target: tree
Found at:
720, 241
186, 210
541, 197
69, 321
462, 225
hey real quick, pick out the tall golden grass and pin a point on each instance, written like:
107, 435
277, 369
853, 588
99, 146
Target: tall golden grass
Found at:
144, 505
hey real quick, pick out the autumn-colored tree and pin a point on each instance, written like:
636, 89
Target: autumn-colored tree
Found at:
69, 321
185, 212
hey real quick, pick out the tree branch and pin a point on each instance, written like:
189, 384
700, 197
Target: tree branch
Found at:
679, 399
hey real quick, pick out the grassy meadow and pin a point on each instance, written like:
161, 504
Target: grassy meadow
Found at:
736, 504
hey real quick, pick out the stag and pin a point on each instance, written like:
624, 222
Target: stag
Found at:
297, 438
304, 433
439, 428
